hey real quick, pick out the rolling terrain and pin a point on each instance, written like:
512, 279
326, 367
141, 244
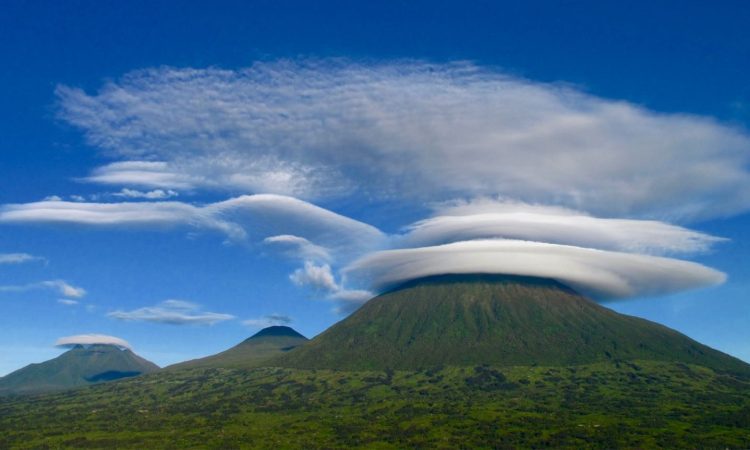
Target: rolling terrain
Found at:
446, 362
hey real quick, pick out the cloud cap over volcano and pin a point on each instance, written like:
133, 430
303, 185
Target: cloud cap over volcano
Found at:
602, 274
91, 339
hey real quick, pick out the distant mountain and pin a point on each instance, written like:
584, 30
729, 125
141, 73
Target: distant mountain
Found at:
251, 352
81, 365
497, 320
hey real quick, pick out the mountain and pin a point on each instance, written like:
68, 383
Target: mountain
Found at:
253, 351
81, 365
497, 320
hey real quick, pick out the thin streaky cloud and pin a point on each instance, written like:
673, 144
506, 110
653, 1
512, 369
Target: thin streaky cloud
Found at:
18, 258
172, 312
60, 286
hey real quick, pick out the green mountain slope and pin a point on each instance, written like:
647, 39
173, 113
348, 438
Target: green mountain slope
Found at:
497, 320
251, 352
79, 366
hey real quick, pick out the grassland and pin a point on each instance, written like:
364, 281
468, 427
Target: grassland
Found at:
642, 404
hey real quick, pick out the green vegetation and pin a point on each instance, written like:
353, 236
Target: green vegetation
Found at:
251, 352
493, 319
644, 404
79, 366
474, 361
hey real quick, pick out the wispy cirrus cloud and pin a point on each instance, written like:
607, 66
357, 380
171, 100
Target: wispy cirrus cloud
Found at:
67, 302
173, 312
62, 287
410, 130
18, 258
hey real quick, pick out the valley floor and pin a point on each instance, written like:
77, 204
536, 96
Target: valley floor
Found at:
613, 405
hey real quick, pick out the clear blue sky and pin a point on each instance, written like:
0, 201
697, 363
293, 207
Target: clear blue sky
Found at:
73, 104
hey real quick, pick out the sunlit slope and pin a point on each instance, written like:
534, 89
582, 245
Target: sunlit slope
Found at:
80, 366
497, 320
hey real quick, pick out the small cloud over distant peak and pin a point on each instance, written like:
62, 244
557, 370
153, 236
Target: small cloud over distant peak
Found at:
91, 339
268, 321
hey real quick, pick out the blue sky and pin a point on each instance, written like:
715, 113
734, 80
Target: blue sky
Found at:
603, 143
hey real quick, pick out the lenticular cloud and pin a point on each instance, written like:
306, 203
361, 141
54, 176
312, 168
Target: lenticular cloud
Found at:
603, 274
91, 339
578, 174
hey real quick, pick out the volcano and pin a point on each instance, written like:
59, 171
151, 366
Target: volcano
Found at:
253, 351
80, 366
499, 320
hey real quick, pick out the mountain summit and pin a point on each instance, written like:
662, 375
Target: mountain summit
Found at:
261, 346
497, 320
79, 366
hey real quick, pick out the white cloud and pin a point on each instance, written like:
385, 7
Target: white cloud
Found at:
316, 128
602, 274
92, 339
299, 247
321, 279
316, 276
60, 286
540, 224
268, 321
156, 194
257, 216
173, 312
152, 174
18, 258
67, 301
65, 289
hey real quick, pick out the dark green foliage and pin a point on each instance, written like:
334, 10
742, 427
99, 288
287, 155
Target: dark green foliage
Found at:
80, 366
656, 405
493, 319
251, 352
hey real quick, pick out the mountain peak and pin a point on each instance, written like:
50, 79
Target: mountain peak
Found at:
253, 351
276, 330
83, 364
500, 320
